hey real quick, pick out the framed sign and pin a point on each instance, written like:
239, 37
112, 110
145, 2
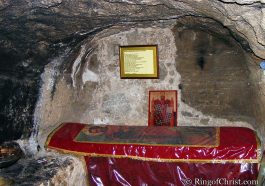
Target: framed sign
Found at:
162, 108
139, 61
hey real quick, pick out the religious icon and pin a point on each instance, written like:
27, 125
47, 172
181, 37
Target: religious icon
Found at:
162, 108
93, 133
114, 134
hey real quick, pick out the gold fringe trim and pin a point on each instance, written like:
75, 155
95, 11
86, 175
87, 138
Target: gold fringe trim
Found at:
157, 159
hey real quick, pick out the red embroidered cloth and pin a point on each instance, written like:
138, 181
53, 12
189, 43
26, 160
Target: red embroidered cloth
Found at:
158, 143
131, 155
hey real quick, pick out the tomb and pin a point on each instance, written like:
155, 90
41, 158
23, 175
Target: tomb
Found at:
61, 63
158, 155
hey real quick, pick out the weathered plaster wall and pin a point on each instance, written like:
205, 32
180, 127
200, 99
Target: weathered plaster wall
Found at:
90, 89
214, 75
257, 86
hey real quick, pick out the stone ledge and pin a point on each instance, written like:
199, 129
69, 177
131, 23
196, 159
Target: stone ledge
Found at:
49, 169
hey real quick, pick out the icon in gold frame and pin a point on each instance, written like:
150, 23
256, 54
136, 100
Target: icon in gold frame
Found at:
162, 108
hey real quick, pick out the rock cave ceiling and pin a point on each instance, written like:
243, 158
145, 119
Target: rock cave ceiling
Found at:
34, 31
30, 28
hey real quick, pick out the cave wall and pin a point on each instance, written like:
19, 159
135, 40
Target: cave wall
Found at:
34, 33
214, 73
90, 89
18, 95
257, 86
52, 21
71, 47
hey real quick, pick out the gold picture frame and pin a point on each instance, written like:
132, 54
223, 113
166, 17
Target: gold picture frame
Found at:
139, 62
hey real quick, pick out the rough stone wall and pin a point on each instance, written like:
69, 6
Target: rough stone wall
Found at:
245, 17
214, 75
43, 170
17, 104
257, 86
90, 89
33, 31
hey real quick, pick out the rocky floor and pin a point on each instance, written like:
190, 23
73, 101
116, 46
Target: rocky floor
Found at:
50, 169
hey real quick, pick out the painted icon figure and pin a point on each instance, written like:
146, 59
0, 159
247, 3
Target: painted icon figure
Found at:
163, 111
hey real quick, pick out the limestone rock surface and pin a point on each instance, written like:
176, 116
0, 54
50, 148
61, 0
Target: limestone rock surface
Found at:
33, 32
49, 169
28, 23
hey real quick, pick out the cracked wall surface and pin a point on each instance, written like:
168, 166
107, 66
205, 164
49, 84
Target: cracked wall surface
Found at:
91, 90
